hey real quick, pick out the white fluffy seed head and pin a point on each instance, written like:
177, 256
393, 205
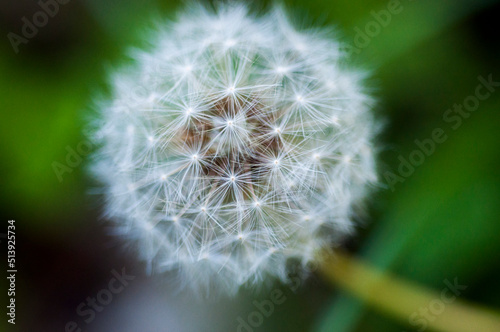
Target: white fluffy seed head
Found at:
236, 146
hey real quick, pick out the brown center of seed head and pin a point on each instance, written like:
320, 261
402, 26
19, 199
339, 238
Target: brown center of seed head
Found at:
247, 160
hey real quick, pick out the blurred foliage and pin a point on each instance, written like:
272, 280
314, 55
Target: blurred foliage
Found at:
441, 223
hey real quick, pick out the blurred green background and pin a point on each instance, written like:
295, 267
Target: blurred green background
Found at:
441, 222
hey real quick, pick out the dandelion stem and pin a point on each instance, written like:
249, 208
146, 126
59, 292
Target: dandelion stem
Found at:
400, 298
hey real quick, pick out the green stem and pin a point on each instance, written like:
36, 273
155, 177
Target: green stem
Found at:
402, 299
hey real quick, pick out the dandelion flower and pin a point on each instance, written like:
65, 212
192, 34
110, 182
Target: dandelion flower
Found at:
235, 145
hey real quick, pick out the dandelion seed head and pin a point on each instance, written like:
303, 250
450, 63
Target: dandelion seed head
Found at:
221, 151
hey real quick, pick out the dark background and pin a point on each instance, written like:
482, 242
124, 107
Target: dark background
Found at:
441, 222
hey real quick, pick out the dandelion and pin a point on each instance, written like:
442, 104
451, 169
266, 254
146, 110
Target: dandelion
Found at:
247, 149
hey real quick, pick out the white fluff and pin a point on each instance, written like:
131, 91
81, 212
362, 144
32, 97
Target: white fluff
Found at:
236, 145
